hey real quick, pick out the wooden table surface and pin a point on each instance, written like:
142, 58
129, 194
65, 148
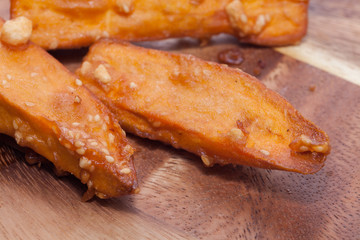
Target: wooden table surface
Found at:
180, 199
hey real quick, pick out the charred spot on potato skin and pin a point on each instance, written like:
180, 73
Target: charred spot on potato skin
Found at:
242, 126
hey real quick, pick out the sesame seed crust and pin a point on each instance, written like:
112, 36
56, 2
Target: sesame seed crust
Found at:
288, 24
220, 113
38, 115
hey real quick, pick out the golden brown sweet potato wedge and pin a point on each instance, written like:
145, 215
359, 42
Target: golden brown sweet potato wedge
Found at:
220, 113
76, 23
44, 107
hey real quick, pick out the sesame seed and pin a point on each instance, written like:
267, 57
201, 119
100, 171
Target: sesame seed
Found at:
80, 151
266, 153
84, 162
85, 176
243, 18
90, 118
105, 34
79, 144
78, 82
9, 77
71, 89
133, 85
4, 82
305, 139
104, 127
101, 195
111, 137
127, 148
18, 137
104, 150
107, 118
126, 8
29, 138
76, 124
85, 67
55, 129
237, 134
77, 99
94, 144
318, 148
97, 118
29, 104
67, 145
125, 170
260, 23
303, 149
15, 125
90, 184
77, 135
33, 74
176, 71
110, 159
206, 160
54, 44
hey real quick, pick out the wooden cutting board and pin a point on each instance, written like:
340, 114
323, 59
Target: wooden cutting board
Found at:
180, 198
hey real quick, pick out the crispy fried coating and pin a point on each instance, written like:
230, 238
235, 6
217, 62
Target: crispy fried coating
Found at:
77, 23
46, 108
219, 113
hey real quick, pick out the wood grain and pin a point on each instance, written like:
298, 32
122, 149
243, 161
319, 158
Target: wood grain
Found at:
332, 43
181, 199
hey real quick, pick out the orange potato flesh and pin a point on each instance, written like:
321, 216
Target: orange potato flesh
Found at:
219, 113
38, 107
77, 23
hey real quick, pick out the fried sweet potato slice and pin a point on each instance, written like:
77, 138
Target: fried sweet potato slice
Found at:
77, 23
220, 113
44, 107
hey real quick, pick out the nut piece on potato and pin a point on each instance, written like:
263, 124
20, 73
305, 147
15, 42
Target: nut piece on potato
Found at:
77, 23
219, 113
46, 108
17, 31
